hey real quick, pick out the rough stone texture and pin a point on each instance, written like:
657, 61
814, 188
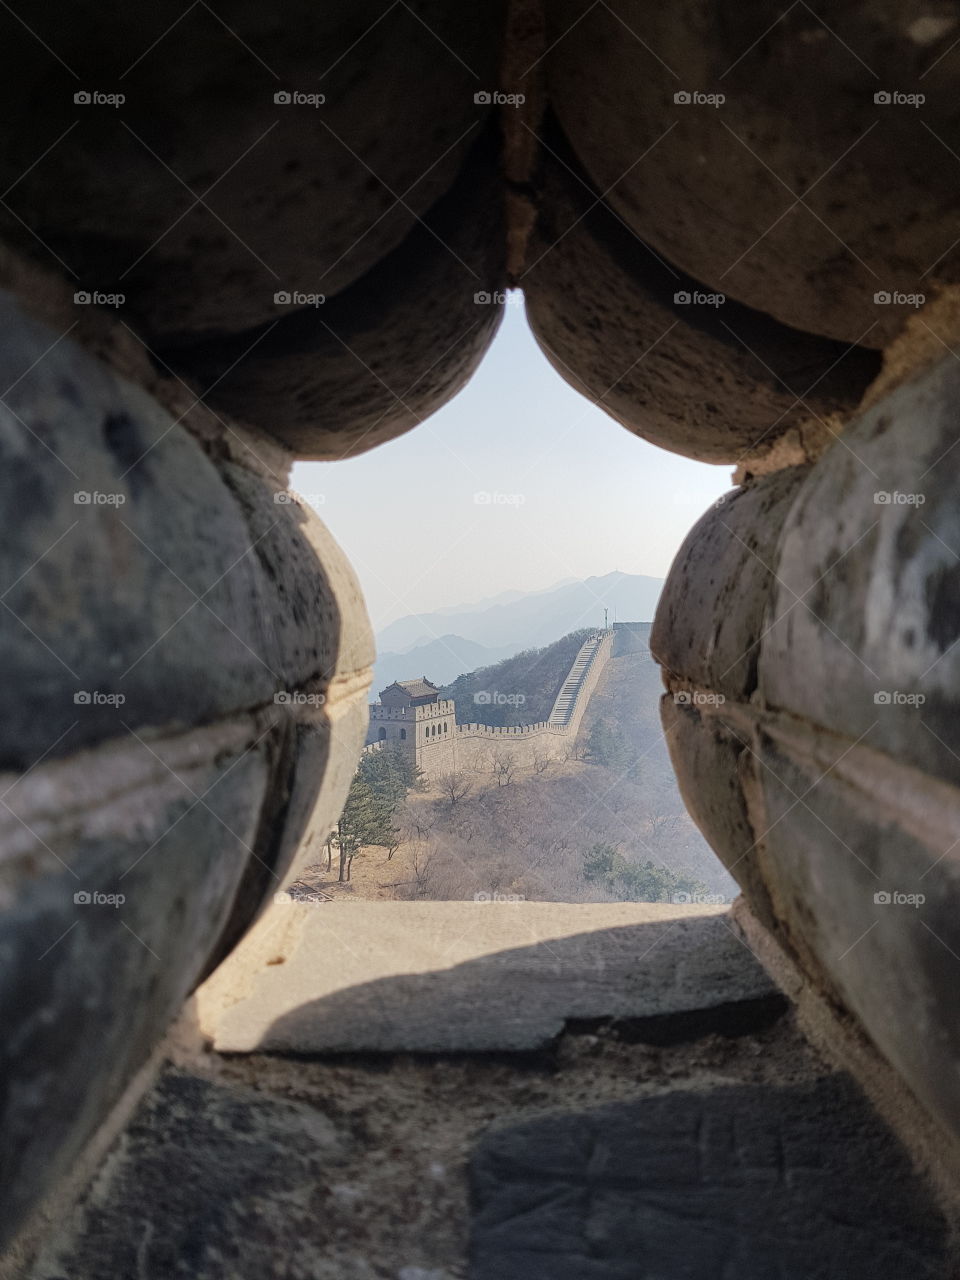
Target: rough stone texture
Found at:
374, 361
227, 196
89, 987
714, 382
711, 612
196, 600
131, 563
432, 976
860, 890
879, 581
741, 1183
830, 788
388, 1198
719, 195
713, 763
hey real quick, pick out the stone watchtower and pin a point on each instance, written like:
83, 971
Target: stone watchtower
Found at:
411, 713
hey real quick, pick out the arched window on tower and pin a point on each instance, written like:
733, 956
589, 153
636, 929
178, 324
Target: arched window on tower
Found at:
403, 735
382, 734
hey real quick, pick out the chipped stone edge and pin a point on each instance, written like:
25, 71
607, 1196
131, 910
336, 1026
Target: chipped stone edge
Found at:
934, 1154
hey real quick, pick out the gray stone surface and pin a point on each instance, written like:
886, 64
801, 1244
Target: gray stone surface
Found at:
871, 652
719, 194
713, 606
732, 1184
293, 196
90, 982
374, 361
868, 898
478, 976
712, 761
713, 382
154, 605
132, 571
238, 1167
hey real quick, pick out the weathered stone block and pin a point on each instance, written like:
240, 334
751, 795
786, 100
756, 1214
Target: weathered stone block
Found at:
118, 872
711, 613
712, 381
137, 588
743, 1181
374, 361
865, 881
714, 764
800, 194
865, 616
204, 193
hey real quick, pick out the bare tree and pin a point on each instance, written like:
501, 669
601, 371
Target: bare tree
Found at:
455, 786
504, 767
541, 762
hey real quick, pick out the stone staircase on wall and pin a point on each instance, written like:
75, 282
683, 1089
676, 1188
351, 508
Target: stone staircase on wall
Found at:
566, 702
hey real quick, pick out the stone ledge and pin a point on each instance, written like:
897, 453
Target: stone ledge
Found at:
476, 977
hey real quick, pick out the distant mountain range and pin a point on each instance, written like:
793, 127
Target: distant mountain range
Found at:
440, 660
448, 642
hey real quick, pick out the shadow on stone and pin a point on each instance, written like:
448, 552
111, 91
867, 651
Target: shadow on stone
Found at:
757, 1183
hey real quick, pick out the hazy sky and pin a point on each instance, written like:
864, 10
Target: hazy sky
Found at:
572, 493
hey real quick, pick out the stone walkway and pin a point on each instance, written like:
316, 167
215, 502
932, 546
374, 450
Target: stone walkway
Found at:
694, 1144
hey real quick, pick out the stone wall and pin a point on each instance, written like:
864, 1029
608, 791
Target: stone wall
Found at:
480, 748
768, 282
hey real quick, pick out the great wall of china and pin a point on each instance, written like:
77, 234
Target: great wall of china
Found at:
439, 745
